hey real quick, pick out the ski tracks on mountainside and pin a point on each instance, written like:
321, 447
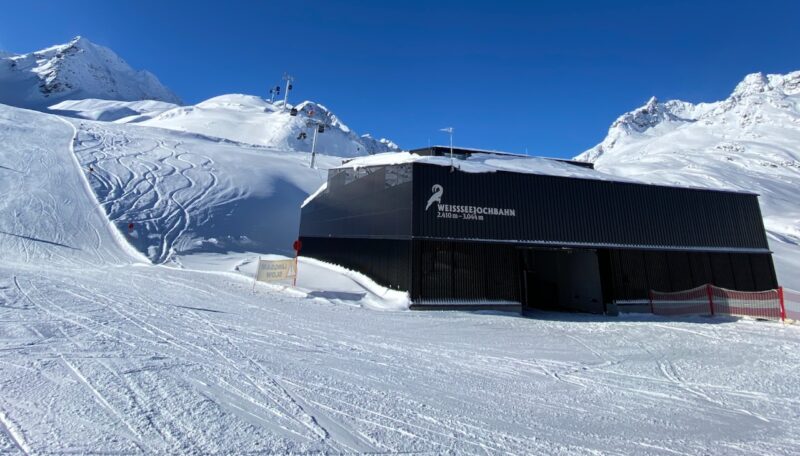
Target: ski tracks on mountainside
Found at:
153, 183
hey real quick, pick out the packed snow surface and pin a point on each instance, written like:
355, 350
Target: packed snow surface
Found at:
747, 142
104, 352
73, 71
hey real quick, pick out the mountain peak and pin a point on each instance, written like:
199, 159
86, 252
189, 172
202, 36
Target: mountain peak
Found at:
76, 70
743, 104
753, 83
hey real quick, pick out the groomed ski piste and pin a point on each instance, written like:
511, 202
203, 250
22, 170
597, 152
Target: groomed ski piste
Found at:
154, 340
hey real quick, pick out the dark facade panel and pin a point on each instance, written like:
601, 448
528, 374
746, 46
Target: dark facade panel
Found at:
366, 202
700, 264
722, 271
635, 272
463, 272
569, 211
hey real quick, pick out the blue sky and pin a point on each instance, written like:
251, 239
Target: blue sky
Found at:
546, 77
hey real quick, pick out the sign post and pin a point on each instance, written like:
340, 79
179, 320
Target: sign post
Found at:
275, 270
297, 245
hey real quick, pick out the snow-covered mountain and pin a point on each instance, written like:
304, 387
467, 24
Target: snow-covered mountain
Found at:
85, 80
252, 120
76, 70
750, 141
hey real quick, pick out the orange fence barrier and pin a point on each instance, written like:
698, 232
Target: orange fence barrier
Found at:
780, 304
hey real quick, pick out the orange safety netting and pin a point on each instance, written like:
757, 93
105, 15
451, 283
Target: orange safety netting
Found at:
779, 304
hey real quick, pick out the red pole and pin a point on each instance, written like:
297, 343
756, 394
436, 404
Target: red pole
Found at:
652, 310
710, 294
783, 305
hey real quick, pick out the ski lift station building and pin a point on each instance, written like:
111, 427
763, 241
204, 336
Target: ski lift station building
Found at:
499, 230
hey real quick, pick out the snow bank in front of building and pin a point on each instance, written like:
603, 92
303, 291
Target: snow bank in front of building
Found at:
336, 283
317, 280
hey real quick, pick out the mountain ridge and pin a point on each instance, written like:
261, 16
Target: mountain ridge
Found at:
78, 69
749, 141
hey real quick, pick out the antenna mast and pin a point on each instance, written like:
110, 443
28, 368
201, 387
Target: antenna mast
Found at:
449, 130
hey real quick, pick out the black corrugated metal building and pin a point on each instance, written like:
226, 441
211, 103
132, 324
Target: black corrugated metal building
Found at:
455, 238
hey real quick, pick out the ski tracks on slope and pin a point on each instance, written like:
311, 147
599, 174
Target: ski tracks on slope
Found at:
151, 182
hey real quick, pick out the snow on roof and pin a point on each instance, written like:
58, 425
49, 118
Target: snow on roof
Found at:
488, 163
491, 162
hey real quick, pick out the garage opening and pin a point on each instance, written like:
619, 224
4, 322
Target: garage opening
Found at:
566, 280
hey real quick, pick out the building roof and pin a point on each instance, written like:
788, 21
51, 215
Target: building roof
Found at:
481, 162
463, 152
477, 161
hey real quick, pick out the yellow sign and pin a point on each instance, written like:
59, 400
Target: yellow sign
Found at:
275, 270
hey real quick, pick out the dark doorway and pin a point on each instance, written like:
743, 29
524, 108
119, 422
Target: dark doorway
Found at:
561, 280
540, 293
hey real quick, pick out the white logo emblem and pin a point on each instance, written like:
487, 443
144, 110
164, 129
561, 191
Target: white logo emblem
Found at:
436, 197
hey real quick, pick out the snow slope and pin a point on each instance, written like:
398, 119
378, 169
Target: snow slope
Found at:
76, 70
253, 120
749, 141
187, 193
110, 110
104, 352
48, 213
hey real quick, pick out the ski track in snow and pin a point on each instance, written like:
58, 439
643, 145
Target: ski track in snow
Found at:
178, 189
103, 352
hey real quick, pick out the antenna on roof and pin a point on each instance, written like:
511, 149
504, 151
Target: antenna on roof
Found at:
450, 130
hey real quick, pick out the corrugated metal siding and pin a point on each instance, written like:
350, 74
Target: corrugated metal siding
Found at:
634, 272
463, 272
568, 211
367, 202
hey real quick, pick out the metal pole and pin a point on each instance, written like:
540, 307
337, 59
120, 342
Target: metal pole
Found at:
449, 130
288, 78
314, 145
451, 149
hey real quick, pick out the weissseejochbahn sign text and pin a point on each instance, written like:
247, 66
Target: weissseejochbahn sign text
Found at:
463, 212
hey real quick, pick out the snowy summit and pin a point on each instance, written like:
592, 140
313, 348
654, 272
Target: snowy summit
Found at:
76, 70
748, 142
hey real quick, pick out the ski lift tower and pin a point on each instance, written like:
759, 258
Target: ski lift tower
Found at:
289, 80
319, 127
